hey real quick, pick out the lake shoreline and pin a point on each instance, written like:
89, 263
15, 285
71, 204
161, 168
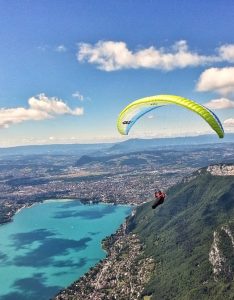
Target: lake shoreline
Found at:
49, 225
125, 261
11, 208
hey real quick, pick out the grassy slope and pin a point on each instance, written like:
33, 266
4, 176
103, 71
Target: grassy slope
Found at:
179, 236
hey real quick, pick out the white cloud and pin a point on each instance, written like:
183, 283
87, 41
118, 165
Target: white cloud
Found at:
220, 80
77, 111
40, 108
150, 116
78, 95
226, 52
61, 48
112, 56
17, 115
229, 122
220, 103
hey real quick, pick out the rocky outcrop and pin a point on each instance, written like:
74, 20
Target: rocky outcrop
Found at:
221, 170
215, 170
221, 263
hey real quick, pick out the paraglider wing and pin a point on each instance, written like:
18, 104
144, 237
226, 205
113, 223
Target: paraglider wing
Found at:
135, 110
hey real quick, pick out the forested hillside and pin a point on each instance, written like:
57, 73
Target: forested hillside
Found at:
191, 238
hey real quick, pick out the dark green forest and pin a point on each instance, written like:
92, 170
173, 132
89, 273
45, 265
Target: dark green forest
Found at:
179, 236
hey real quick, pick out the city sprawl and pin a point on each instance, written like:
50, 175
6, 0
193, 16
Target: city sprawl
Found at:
128, 178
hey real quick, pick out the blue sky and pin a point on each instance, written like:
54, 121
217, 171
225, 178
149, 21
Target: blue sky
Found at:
67, 68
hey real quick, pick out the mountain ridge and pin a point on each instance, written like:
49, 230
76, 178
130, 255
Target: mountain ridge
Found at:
180, 236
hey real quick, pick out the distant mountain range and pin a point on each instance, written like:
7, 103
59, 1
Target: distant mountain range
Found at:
116, 148
182, 156
56, 149
191, 238
148, 144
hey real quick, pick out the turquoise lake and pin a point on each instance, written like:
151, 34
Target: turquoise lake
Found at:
50, 245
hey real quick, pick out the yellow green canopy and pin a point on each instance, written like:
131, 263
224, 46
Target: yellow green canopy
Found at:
135, 110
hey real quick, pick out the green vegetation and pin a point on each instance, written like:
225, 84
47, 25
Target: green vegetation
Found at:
179, 236
5, 214
8, 209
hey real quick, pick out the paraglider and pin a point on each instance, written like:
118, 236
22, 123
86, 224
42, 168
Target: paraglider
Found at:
135, 110
160, 196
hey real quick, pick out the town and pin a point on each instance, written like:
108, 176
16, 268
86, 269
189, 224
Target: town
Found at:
128, 178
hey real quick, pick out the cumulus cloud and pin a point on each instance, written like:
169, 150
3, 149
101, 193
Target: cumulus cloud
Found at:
227, 52
78, 95
220, 80
220, 103
229, 122
112, 56
40, 107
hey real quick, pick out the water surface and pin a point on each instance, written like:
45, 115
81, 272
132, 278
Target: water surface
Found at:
50, 245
